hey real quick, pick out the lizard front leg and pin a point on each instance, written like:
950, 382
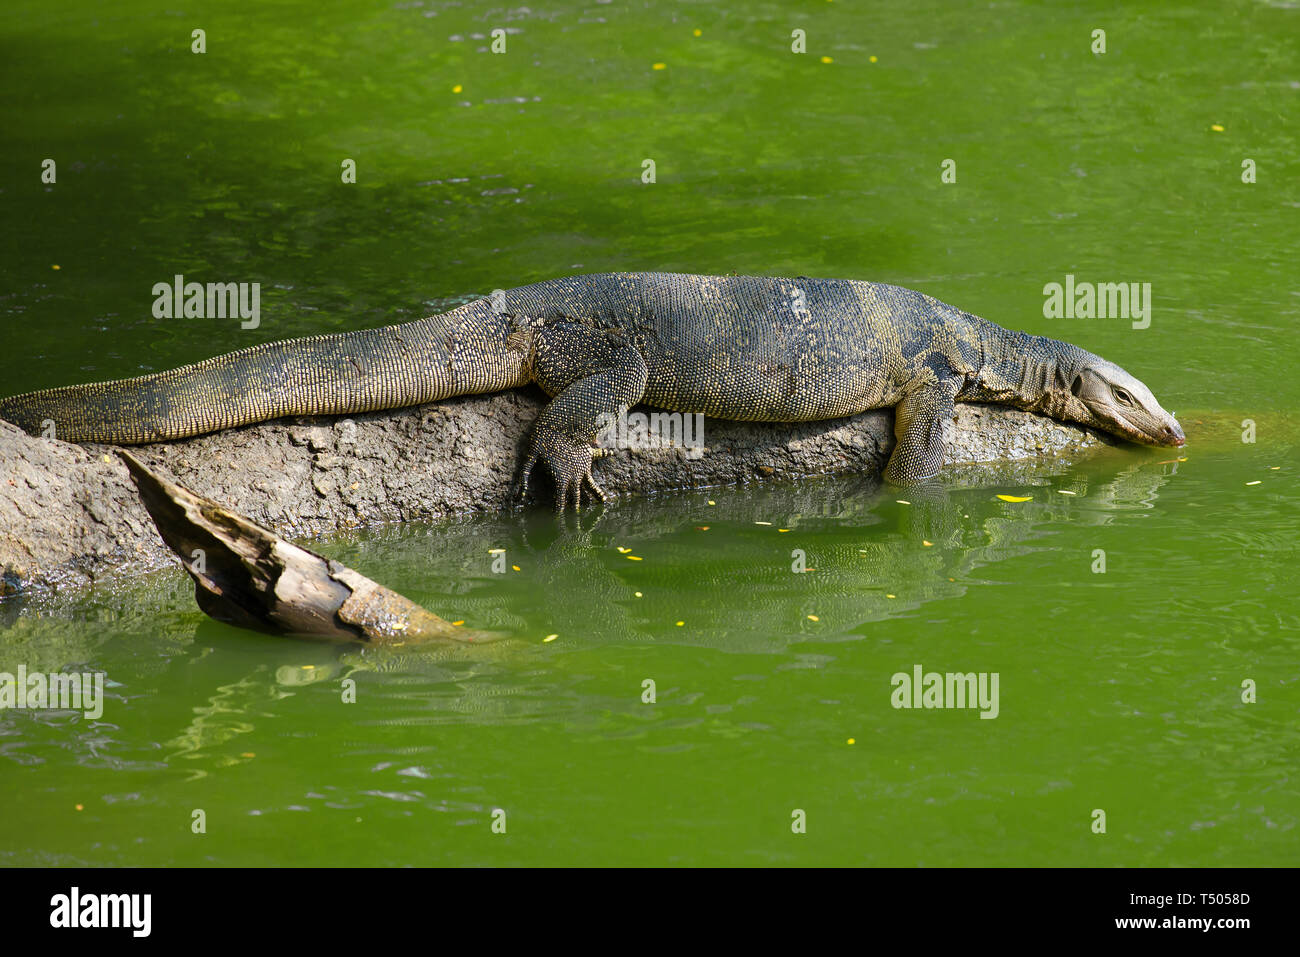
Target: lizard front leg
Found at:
918, 424
591, 373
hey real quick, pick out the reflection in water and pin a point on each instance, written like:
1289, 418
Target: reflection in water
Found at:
228, 713
865, 553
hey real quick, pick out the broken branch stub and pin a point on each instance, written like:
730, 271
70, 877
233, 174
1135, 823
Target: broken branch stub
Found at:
249, 576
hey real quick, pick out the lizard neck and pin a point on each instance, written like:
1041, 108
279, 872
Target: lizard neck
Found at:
1024, 371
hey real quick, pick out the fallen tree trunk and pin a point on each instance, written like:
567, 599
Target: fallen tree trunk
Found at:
69, 514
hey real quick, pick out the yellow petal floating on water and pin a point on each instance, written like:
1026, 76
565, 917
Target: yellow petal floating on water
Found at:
1216, 127
1062, 491
515, 567
1016, 498
813, 618
634, 558
698, 32
550, 638
459, 623
872, 59
54, 267
1256, 482
457, 88
891, 596
638, 594
926, 544
711, 502
80, 807
660, 66
496, 551
1274, 468
680, 623
756, 523
622, 550
902, 501
852, 741
827, 59
783, 529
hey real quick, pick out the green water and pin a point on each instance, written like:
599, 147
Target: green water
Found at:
1119, 691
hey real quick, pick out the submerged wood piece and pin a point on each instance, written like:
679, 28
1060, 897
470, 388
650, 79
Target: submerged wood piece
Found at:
249, 576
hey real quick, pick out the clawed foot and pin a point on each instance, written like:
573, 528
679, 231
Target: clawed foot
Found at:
569, 463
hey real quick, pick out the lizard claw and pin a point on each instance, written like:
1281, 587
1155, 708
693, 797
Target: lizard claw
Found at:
595, 488
569, 462
521, 495
570, 485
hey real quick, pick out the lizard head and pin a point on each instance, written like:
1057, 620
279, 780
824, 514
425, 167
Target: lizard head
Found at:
1103, 395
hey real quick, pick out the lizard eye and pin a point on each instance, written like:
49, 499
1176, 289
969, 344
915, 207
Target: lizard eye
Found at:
1123, 397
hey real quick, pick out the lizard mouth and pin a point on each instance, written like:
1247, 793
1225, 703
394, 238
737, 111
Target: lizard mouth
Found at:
1167, 434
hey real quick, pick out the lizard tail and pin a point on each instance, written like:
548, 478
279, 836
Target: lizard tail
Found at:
457, 353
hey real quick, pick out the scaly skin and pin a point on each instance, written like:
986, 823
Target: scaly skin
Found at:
732, 347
